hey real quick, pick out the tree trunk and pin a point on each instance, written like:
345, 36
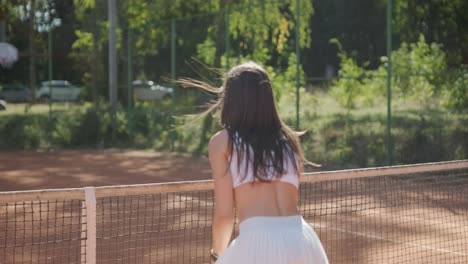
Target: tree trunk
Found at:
2, 30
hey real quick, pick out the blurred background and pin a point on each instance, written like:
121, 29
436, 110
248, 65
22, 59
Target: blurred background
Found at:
374, 82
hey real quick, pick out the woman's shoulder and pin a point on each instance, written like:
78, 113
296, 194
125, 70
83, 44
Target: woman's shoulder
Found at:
219, 142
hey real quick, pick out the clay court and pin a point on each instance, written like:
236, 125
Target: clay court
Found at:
33, 170
408, 218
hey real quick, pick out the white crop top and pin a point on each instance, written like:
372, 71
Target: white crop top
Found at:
238, 172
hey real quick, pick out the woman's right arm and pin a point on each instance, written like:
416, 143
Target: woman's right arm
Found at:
223, 218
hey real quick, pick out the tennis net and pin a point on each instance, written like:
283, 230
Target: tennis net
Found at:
401, 214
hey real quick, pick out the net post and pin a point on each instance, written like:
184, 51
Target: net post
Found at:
90, 240
83, 232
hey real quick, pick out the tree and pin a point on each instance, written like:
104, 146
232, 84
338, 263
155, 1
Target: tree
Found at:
6, 11
28, 21
443, 22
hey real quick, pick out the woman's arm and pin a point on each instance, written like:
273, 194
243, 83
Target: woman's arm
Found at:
223, 218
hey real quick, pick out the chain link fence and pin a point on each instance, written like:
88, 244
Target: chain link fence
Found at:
329, 62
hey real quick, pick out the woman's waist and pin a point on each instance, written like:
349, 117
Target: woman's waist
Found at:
268, 223
265, 211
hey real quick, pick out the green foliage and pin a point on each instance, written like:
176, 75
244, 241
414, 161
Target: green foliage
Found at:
207, 51
439, 21
81, 50
254, 26
355, 86
340, 139
23, 131
284, 81
6, 9
456, 97
262, 31
418, 70
419, 73
150, 20
349, 86
88, 126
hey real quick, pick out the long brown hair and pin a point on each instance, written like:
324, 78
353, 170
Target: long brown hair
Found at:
249, 114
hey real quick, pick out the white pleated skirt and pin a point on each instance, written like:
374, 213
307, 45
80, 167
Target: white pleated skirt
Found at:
275, 240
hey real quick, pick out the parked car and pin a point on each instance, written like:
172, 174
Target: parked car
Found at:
148, 90
58, 90
15, 93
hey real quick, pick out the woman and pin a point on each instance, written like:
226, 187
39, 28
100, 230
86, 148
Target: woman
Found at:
256, 161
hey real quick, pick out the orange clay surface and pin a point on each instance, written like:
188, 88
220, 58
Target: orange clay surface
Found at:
385, 223
31, 170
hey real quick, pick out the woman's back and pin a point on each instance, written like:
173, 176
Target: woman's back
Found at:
276, 197
266, 199
271, 228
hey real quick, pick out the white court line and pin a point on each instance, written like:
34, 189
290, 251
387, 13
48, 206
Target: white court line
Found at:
389, 240
433, 222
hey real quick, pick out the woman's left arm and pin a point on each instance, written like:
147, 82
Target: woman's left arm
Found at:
223, 218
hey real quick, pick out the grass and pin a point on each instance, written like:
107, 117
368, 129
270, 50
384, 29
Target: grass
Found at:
320, 105
25, 108
341, 138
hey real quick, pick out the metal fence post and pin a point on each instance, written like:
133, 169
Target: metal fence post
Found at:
172, 133
389, 84
112, 12
227, 35
49, 51
129, 82
173, 49
298, 37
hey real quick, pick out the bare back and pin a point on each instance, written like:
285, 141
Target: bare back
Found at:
266, 199
273, 198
